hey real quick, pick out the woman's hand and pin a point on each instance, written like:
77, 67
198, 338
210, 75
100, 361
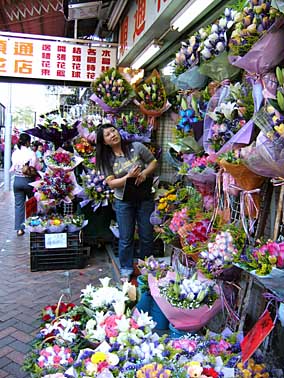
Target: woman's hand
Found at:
140, 178
134, 172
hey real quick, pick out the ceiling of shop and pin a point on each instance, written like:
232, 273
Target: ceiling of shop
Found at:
56, 17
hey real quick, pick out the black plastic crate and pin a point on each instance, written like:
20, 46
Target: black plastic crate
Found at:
71, 257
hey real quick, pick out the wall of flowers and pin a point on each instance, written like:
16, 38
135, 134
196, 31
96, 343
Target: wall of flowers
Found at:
226, 102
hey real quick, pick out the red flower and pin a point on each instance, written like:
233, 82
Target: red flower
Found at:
210, 372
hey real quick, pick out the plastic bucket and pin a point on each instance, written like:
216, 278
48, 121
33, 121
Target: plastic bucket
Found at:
158, 316
145, 298
177, 333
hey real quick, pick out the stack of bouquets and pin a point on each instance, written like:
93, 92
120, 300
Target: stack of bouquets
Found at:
254, 20
188, 303
95, 190
218, 256
151, 96
53, 128
55, 187
87, 128
111, 91
133, 127
61, 160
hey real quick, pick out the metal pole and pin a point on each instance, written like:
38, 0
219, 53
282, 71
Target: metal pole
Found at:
8, 141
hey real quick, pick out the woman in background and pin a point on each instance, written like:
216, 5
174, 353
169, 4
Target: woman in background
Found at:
119, 160
21, 157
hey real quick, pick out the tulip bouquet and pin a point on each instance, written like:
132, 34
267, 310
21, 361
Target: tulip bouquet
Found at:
151, 96
95, 189
133, 127
61, 160
53, 128
87, 128
111, 91
254, 20
219, 255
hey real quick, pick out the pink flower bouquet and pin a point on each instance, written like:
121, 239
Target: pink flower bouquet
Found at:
61, 159
201, 302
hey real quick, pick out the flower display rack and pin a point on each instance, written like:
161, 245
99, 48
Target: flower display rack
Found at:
56, 251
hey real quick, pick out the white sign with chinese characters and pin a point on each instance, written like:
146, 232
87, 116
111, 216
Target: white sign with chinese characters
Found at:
37, 59
56, 240
141, 16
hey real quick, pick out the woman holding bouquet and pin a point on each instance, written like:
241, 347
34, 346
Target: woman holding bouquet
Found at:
120, 160
22, 157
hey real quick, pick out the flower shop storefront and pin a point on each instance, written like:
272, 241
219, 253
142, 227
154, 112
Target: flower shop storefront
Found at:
212, 306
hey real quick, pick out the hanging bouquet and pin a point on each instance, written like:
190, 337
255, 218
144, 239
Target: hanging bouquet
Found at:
87, 128
218, 256
133, 127
95, 190
104, 298
56, 187
75, 222
151, 97
253, 22
61, 160
188, 303
186, 70
35, 224
55, 129
111, 91
214, 57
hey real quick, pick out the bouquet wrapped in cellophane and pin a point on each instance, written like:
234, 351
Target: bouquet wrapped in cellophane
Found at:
61, 160
188, 303
151, 97
111, 91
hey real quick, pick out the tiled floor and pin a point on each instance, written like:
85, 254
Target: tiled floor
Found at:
24, 293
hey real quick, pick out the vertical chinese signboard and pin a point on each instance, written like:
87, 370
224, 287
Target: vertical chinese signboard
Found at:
37, 59
141, 16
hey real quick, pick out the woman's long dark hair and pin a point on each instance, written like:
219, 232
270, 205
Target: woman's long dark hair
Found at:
24, 139
104, 154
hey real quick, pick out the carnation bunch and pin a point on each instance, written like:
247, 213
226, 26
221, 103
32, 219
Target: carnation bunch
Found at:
61, 159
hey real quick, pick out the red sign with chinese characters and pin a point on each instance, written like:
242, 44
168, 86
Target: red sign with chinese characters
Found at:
256, 335
31, 58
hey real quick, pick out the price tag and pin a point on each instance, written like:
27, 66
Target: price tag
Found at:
56, 240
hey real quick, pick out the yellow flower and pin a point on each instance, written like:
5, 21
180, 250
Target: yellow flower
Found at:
172, 197
98, 357
280, 128
275, 118
162, 206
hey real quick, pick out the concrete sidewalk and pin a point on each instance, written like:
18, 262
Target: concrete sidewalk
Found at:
24, 293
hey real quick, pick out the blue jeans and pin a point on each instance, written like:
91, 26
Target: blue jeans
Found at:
22, 190
127, 214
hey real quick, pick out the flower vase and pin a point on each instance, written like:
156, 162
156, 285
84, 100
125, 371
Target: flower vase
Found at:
145, 298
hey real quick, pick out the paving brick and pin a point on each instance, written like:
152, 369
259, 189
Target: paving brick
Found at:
15, 371
4, 351
4, 374
7, 331
4, 361
17, 357
6, 341
22, 336
20, 347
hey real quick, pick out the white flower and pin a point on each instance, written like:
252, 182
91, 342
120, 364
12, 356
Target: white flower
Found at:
207, 43
223, 22
220, 46
206, 53
227, 109
123, 324
144, 320
105, 281
214, 29
119, 308
192, 40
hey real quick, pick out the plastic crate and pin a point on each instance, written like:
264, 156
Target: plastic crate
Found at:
71, 257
